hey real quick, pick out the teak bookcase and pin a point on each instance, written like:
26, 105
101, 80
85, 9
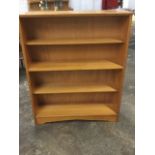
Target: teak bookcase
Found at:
75, 63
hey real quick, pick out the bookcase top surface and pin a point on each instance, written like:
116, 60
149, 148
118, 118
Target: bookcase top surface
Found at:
75, 13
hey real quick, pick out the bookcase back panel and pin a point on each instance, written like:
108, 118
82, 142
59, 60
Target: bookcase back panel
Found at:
76, 77
76, 98
75, 52
74, 27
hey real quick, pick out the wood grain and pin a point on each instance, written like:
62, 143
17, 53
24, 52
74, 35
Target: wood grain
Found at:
83, 109
75, 53
79, 65
59, 88
98, 77
75, 42
69, 98
37, 14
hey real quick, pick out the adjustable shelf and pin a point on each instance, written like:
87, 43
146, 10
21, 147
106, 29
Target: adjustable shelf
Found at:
74, 41
85, 111
75, 63
74, 88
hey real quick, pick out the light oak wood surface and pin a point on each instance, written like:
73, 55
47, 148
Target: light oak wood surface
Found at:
31, 14
74, 88
75, 63
83, 111
79, 65
75, 41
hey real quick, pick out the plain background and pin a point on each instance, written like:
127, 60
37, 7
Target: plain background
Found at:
145, 77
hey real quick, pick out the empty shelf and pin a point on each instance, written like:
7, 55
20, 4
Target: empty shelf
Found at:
78, 88
83, 109
75, 65
74, 41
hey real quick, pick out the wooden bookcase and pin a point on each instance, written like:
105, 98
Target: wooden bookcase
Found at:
75, 63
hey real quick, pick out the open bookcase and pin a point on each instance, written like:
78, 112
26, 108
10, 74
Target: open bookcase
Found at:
75, 63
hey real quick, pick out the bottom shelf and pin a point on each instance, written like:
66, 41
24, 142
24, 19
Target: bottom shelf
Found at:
85, 111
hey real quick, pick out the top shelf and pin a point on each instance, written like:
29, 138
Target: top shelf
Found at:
74, 41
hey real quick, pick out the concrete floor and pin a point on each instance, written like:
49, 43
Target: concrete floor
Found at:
80, 137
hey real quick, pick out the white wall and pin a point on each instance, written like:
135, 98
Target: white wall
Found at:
129, 4
85, 4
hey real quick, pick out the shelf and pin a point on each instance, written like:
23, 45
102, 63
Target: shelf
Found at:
74, 41
82, 109
66, 88
75, 65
